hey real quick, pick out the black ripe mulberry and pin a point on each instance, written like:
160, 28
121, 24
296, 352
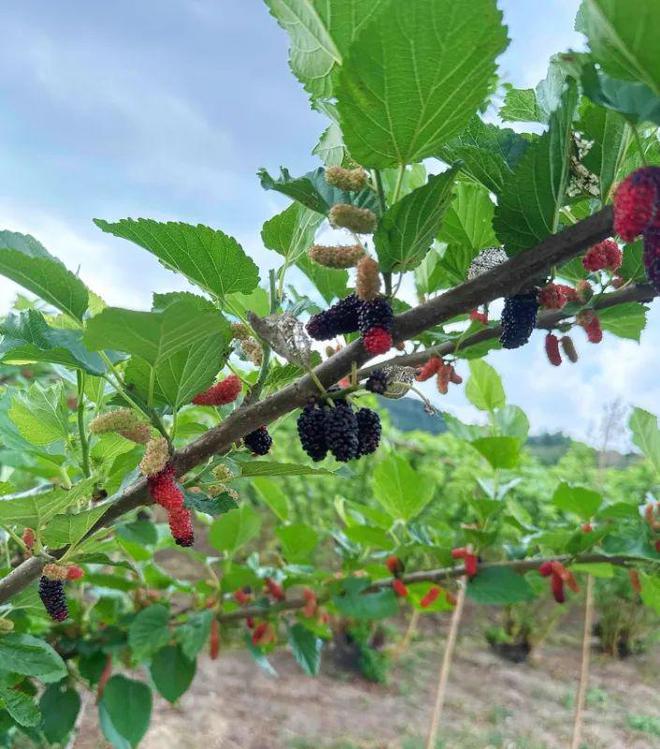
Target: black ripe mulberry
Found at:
652, 256
339, 319
368, 431
518, 319
375, 314
377, 382
52, 596
258, 442
311, 430
341, 432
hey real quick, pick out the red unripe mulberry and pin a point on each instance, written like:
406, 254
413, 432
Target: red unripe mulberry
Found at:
454, 377
442, 379
399, 588
557, 587
568, 291
480, 317
591, 324
263, 634
430, 597
164, 490
471, 564
242, 596
636, 203
459, 553
552, 349
214, 639
586, 527
223, 392
394, 565
74, 572
311, 605
430, 368
553, 296
181, 527
545, 569
29, 537
635, 581
274, 589
605, 255
377, 341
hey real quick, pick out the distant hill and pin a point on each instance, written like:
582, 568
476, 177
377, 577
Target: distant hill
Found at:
408, 415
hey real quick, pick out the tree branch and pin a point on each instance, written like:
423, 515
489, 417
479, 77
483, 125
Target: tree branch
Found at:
503, 280
433, 576
546, 321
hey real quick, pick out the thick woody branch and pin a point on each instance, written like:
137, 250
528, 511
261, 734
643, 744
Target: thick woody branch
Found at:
506, 279
546, 321
432, 576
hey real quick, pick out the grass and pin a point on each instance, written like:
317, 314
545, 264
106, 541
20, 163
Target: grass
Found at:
645, 723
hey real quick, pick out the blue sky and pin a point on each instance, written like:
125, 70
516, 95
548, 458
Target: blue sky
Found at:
167, 108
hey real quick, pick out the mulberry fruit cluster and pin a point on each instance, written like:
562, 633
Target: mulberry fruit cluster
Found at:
443, 372
340, 256
559, 576
518, 319
53, 598
554, 346
349, 180
605, 255
155, 458
367, 282
375, 322
553, 296
122, 421
552, 349
340, 319
358, 220
377, 382
636, 203
223, 392
373, 319
258, 442
165, 492
637, 211
339, 430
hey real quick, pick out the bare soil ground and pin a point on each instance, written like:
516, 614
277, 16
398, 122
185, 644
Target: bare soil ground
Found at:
492, 704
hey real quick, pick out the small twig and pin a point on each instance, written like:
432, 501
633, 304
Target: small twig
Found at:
84, 444
446, 666
581, 696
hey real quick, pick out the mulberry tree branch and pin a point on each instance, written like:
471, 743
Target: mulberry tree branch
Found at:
504, 280
441, 575
546, 321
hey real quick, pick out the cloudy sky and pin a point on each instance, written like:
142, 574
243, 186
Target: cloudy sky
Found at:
167, 108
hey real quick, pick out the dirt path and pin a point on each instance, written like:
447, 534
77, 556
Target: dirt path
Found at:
491, 704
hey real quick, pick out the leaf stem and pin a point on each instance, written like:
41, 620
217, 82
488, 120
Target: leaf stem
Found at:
638, 143
399, 183
255, 393
84, 444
